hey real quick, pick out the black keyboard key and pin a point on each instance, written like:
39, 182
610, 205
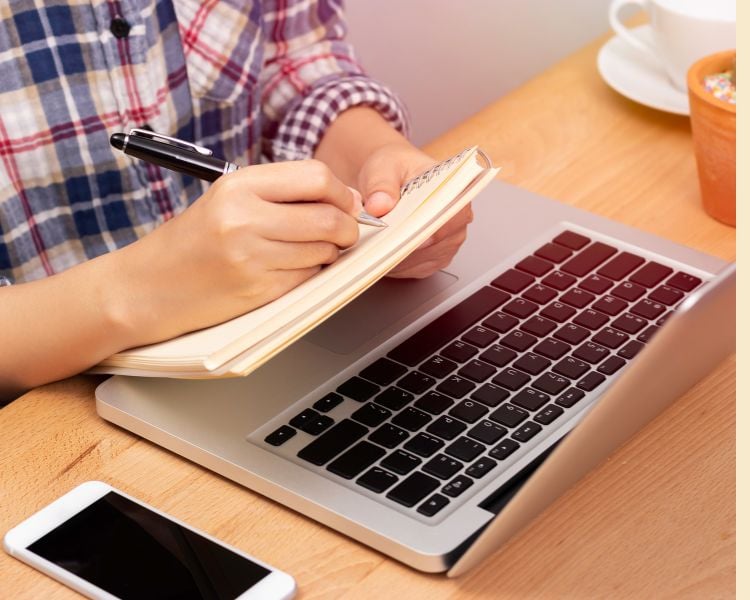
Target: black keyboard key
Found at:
480, 336
630, 349
388, 435
591, 319
590, 381
459, 351
518, 340
532, 363
648, 309
400, 462
571, 367
281, 435
557, 311
446, 427
587, 260
458, 486
591, 352
569, 397
526, 431
650, 274
538, 326
509, 415
490, 394
571, 239
511, 379
541, 294
371, 415
487, 432
500, 322
450, 324
577, 298
481, 467
611, 365
559, 280
355, 460
621, 265
518, 307
530, 399
377, 480
383, 371
629, 291
551, 384
306, 416
416, 382
434, 402
629, 323
468, 411
438, 366
648, 334
465, 449
442, 466
334, 441
683, 281
611, 338
504, 449
358, 389
424, 445
317, 425
455, 386
433, 505
477, 371
548, 414
328, 402
552, 348
411, 418
596, 284
393, 398
533, 265
573, 334
498, 355
666, 295
513, 281
413, 489
554, 253
609, 305
663, 319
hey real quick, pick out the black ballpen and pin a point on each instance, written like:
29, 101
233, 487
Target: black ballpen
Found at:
185, 157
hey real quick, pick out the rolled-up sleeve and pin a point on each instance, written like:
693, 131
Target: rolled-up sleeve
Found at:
310, 76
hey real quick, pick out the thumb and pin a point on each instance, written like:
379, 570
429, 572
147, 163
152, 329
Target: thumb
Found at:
381, 191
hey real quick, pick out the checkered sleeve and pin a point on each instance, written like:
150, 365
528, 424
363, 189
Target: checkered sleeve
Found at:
310, 76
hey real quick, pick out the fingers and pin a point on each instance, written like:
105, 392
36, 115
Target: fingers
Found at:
297, 255
292, 181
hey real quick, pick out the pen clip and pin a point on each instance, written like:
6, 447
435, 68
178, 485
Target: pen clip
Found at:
170, 140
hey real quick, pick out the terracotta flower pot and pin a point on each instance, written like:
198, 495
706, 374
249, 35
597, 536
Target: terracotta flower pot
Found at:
714, 135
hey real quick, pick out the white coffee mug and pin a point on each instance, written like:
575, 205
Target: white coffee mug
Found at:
681, 31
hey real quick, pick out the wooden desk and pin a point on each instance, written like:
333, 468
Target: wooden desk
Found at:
656, 520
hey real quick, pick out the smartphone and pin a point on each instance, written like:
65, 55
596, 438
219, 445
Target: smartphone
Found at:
106, 544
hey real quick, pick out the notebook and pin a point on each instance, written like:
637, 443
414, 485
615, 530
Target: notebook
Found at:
239, 346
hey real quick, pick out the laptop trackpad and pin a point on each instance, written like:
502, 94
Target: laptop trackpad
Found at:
384, 303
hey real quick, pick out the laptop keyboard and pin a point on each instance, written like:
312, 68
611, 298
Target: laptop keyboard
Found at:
447, 407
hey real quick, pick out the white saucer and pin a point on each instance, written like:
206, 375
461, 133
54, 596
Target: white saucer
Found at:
639, 76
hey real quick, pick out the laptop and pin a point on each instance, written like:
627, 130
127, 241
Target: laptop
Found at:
433, 419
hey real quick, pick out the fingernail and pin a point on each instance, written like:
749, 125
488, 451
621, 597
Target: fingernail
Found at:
358, 206
379, 202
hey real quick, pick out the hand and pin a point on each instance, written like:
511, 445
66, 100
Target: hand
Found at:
380, 180
253, 236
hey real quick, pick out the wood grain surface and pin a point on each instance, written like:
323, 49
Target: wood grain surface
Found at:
657, 520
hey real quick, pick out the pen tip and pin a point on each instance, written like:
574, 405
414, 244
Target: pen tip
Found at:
118, 140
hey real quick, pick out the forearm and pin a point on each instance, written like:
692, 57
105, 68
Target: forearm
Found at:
59, 326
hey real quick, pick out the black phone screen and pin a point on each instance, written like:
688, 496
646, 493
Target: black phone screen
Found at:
132, 552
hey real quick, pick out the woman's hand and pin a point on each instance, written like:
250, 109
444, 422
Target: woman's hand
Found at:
380, 180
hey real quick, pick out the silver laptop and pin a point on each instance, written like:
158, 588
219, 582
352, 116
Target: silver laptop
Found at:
433, 419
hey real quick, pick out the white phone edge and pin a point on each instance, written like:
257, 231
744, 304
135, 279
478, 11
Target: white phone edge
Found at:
277, 585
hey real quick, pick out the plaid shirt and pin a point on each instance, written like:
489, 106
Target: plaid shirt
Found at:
252, 80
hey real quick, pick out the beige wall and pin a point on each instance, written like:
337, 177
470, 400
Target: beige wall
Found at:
449, 58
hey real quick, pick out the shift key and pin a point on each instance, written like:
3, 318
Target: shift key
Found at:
334, 441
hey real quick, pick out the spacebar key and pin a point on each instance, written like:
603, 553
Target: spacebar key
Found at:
334, 441
447, 326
